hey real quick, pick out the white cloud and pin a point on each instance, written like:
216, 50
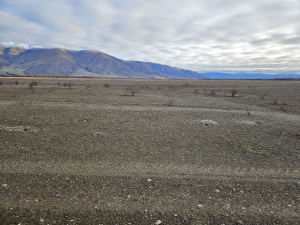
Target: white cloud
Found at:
196, 35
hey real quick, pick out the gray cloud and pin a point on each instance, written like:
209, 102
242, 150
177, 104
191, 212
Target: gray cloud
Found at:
197, 35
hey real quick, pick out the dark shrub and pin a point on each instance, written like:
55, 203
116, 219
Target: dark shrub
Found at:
32, 84
233, 92
213, 92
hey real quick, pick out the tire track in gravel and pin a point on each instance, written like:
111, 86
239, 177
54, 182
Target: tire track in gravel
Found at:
253, 112
265, 113
148, 169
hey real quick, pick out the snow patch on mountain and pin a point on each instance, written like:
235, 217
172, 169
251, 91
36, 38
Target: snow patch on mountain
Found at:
7, 44
22, 45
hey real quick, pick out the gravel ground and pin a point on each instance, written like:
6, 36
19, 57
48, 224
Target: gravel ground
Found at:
92, 155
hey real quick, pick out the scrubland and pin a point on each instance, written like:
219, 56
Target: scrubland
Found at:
96, 151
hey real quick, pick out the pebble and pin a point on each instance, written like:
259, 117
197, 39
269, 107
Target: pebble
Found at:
158, 222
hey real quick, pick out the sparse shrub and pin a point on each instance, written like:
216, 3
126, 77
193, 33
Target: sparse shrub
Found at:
275, 101
107, 85
1, 82
262, 96
186, 85
204, 90
213, 92
170, 101
127, 90
134, 91
51, 90
87, 86
145, 86
22, 100
248, 111
282, 105
159, 87
196, 90
131, 90
16, 82
173, 87
25, 99
233, 92
32, 84
68, 85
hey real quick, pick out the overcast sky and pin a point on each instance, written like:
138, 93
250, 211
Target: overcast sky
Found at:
200, 35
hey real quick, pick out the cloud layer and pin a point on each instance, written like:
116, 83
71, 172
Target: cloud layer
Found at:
219, 35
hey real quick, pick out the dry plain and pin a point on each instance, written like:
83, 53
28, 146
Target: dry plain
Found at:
85, 151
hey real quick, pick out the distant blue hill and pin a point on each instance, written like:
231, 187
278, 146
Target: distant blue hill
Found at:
218, 75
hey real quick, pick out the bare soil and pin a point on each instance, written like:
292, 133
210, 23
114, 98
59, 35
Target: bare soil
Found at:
85, 151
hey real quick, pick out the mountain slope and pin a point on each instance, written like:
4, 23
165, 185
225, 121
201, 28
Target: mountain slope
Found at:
46, 62
62, 62
3, 62
101, 63
8, 55
173, 71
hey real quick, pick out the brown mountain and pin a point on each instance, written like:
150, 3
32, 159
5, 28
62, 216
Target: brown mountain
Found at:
172, 71
63, 62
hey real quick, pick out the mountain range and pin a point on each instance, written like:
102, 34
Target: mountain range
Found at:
252, 75
20, 60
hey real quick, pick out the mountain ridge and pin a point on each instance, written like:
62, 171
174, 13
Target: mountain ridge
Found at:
252, 75
64, 62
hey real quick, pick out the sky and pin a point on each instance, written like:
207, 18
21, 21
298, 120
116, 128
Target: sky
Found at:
198, 35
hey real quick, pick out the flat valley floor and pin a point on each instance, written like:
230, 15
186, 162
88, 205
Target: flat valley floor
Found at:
96, 151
